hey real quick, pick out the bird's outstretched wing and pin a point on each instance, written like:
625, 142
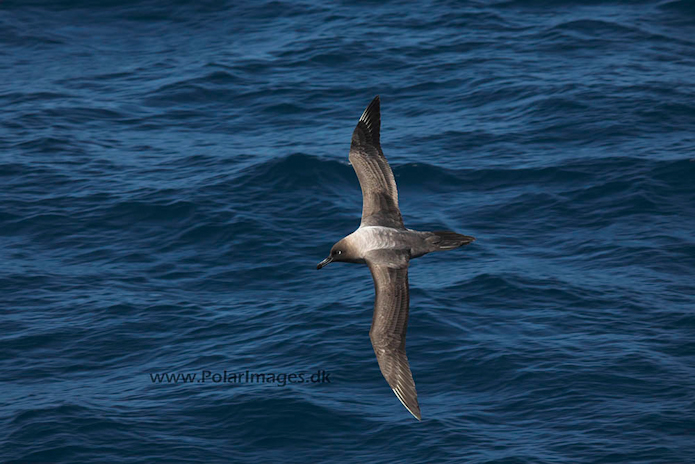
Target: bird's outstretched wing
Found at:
390, 323
379, 191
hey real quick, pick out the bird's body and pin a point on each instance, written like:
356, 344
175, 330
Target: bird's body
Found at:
386, 246
369, 238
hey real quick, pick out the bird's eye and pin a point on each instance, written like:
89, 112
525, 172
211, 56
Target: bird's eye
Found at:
338, 252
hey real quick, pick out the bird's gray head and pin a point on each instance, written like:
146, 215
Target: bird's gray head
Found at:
341, 251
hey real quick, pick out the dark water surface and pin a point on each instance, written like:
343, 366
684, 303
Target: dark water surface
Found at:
171, 173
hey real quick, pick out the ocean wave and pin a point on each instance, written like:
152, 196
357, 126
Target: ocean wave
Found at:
172, 173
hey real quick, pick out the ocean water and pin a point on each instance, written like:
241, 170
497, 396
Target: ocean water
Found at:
171, 173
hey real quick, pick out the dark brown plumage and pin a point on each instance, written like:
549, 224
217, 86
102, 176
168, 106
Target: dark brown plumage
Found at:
386, 246
379, 191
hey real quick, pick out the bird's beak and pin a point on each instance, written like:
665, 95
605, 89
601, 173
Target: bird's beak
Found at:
324, 262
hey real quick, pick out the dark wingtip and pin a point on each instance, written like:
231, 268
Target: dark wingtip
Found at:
372, 119
415, 412
410, 404
373, 110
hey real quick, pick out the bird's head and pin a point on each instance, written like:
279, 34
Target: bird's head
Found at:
341, 251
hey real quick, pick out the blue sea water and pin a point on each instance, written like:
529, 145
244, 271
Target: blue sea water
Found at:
172, 171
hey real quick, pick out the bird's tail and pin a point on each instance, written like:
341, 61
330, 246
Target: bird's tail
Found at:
446, 240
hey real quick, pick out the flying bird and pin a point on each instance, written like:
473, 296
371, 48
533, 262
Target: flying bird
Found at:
384, 244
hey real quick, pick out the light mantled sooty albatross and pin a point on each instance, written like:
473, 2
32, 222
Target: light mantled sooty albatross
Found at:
384, 244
